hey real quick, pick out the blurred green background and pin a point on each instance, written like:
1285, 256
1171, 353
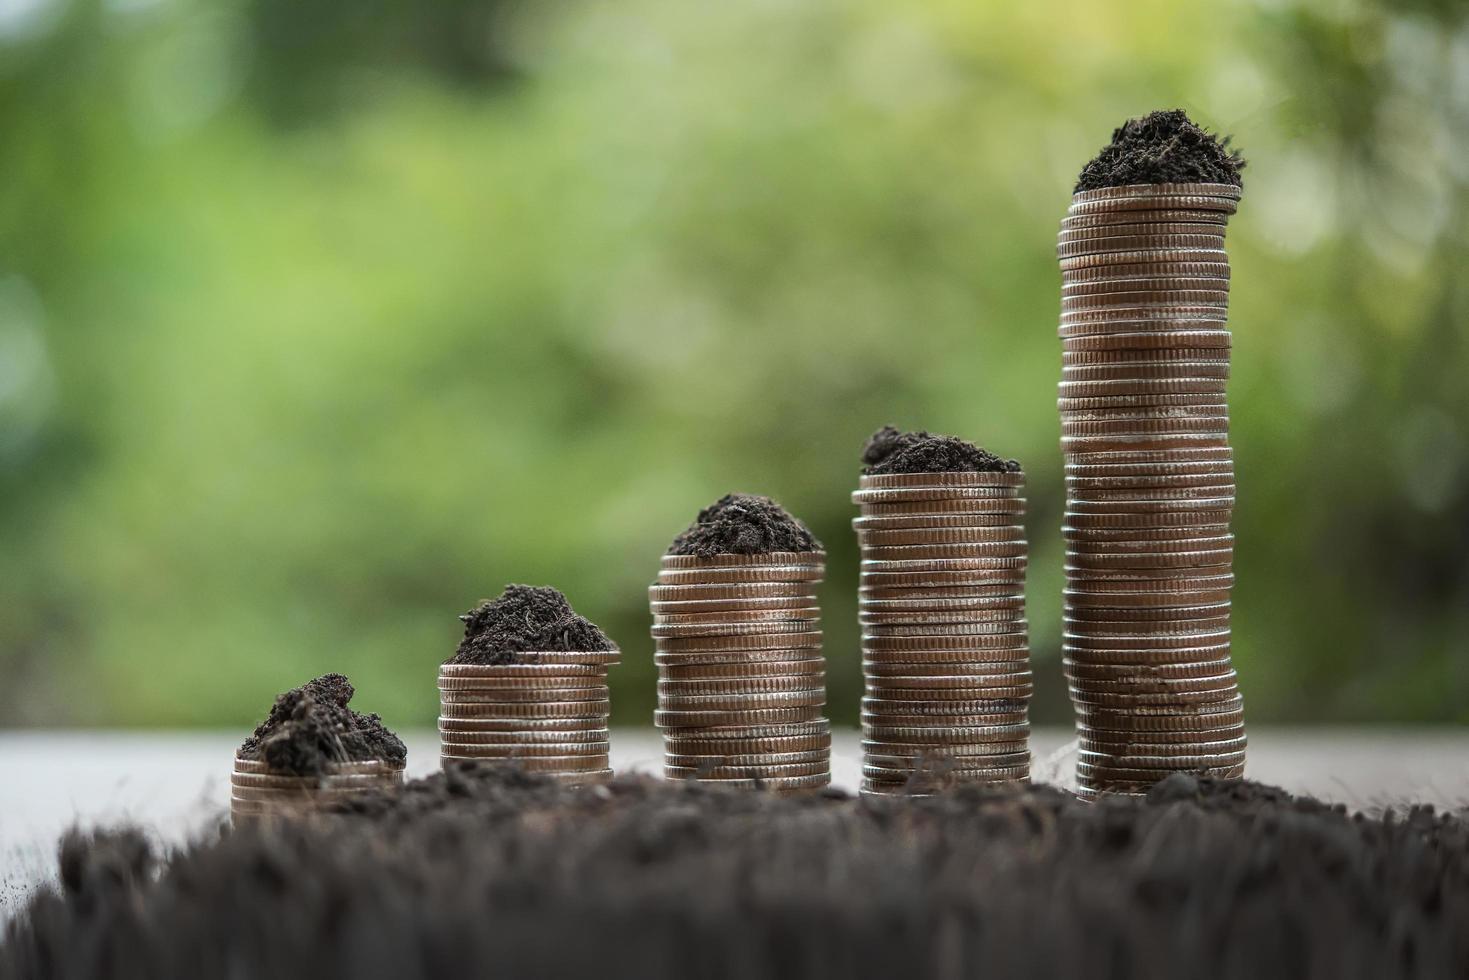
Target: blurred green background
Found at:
319, 322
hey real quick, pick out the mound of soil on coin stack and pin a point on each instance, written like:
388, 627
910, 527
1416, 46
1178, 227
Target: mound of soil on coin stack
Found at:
744, 524
1163, 147
650, 879
310, 728
525, 617
891, 450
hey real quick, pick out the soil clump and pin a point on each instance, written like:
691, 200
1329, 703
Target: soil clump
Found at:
744, 524
310, 728
525, 618
891, 450
653, 879
1163, 147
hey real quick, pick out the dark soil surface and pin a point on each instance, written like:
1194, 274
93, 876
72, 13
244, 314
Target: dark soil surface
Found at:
525, 617
311, 727
744, 524
492, 873
891, 450
1162, 147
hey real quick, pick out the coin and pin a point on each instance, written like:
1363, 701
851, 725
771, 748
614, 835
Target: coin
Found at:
777, 669
709, 745
776, 640
1006, 576
1132, 194
798, 659
756, 701
1007, 534
707, 606
534, 658
531, 709
740, 685
542, 682
946, 771
994, 499
727, 617
563, 763
763, 630
939, 759
819, 726
729, 591
1076, 247
895, 522
709, 770
773, 783
512, 697
1102, 286
994, 509
742, 575
1105, 670
1144, 215
943, 604
871, 481
726, 560
535, 673
666, 718
1163, 743
1139, 386
534, 737
594, 721
995, 591
500, 751
818, 759
960, 679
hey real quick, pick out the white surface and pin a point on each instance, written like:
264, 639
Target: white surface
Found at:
175, 783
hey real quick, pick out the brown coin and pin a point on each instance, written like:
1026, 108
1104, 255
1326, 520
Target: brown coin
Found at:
741, 685
1141, 673
1011, 602
602, 658
742, 638
817, 726
678, 745
1127, 430
1016, 629
735, 617
773, 784
1147, 215
535, 673
1141, 386
1013, 654
1009, 577
1209, 316
1154, 559
942, 536
1145, 371
1072, 248
310, 784
1084, 486
1225, 769
1182, 518
1106, 752
1154, 199
896, 668
742, 575
811, 667
535, 737
527, 710
948, 735
686, 631
1011, 512
1071, 445
707, 606
947, 772
1151, 272
1157, 741
1130, 658
590, 722
875, 724
481, 750
966, 643
1203, 716
1077, 627
1145, 402
943, 697
1140, 600
735, 662
898, 613
820, 758
1118, 645
1073, 288
991, 705
1132, 194
1086, 536
1077, 234
925, 565
564, 763
543, 682
718, 592
1215, 454
709, 771
1198, 472
1180, 542
941, 747
1216, 408
1151, 340
687, 651
870, 594
897, 522
962, 686
665, 718
1226, 680
597, 693
940, 760
992, 499
875, 481
743, 702
777, 558
1148, 507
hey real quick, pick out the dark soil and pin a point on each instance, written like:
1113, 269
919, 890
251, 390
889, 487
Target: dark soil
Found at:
891, 450
1162, 147
493, 873
524, 618
744, 524
310, 728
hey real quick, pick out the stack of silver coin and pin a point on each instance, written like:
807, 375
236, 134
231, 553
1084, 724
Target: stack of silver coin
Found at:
741, 677
1150, 484
545, 713
257, 791
945, 648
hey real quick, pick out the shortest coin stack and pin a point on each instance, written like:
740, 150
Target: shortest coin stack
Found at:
256, 791
945, 650
546, 713
741, 678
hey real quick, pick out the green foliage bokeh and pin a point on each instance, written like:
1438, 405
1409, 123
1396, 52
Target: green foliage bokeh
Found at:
317, 328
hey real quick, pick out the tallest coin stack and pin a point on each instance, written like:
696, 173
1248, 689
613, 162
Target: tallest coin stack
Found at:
1149, 484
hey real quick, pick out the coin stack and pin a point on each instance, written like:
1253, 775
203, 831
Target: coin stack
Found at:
257, 791
1149, 484
945, 650
546, 713
741, 677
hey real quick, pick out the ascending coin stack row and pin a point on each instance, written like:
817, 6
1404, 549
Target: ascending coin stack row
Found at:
945, 648
545, 713
741, 677
258, 791
1150, 484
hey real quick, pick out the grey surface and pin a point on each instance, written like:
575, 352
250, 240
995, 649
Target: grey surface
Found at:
176, 783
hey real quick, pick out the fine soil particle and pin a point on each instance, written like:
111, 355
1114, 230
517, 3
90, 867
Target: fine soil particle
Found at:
890, 450
1163, 147
744, 524
650, 879
525, 617
311, 728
